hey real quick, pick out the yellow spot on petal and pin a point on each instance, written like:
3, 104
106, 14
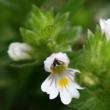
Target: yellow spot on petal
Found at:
64, 82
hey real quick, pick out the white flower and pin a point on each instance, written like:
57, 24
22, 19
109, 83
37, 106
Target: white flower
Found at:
61, 80
105, 27
19, 51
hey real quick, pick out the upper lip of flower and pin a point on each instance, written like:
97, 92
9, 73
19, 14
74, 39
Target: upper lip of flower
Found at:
55, 60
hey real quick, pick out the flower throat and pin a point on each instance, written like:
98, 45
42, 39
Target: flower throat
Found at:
58, 66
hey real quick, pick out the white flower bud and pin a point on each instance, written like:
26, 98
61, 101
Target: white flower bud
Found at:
19, 51
105, 27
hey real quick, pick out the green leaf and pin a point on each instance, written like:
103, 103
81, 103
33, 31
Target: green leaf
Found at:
29, 36
92, 99
38, 19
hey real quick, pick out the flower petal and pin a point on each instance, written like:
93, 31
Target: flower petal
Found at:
47, 64
53, 91
49, 86
65, 96
73, 86
70, 73
46, 83
102, 23
71, 70
77, 86
73, 91
53, 95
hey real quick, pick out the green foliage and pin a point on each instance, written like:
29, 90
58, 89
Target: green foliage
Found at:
95, 99
94, 63
45, 32
48, 32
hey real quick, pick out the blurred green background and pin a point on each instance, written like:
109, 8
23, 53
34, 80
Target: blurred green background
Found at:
20, 86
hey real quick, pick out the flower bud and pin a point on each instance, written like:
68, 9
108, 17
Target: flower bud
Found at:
19, 51
105, 27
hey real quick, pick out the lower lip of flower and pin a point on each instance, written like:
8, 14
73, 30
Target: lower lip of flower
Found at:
59, 69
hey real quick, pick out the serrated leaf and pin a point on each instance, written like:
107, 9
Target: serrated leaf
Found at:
29, 36
39, 19
90, 33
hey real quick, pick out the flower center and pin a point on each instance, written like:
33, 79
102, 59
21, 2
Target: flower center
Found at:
62, 83
58, 66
